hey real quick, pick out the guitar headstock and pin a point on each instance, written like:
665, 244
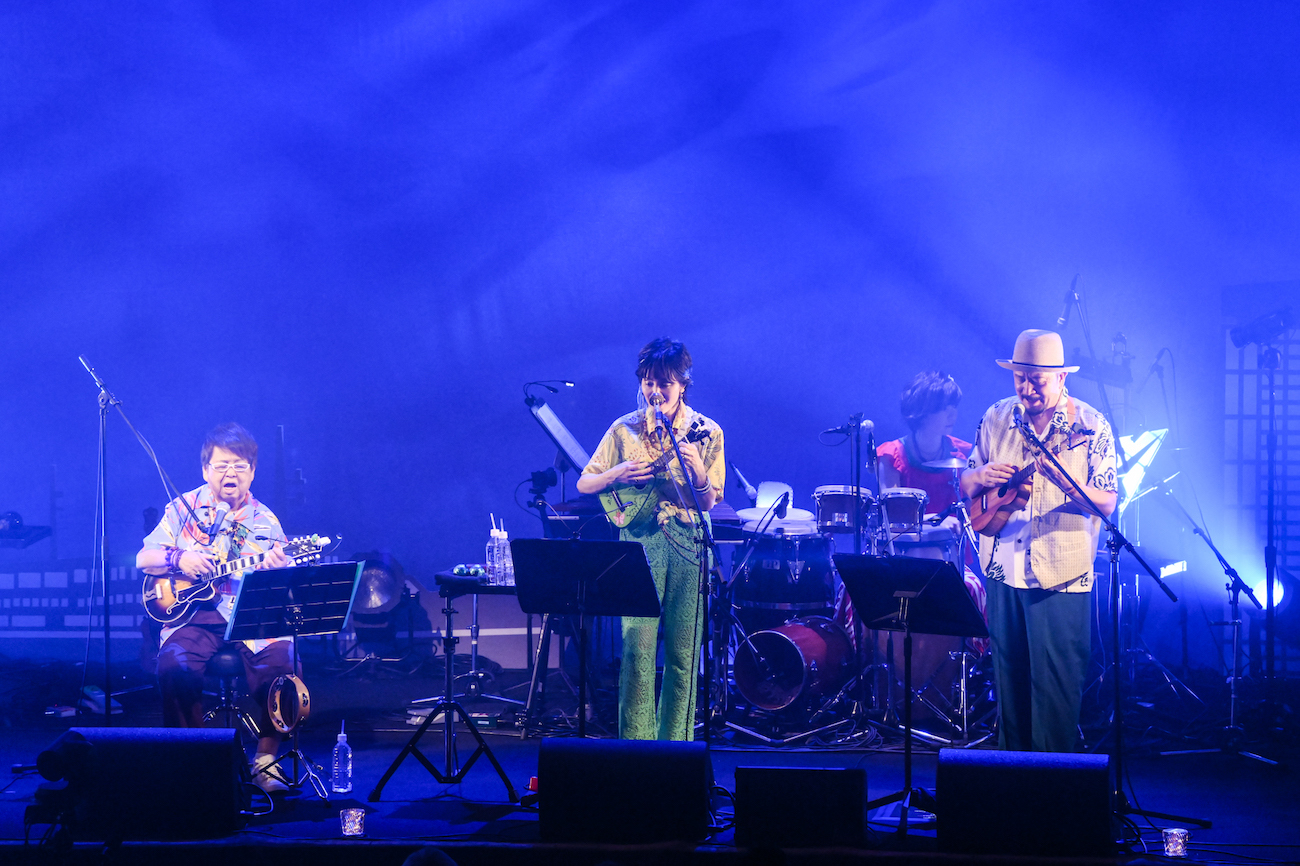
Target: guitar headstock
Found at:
306, 549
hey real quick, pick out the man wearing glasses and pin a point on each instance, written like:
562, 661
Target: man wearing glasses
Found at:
200, 530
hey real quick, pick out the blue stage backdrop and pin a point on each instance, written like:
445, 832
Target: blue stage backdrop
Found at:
370, 224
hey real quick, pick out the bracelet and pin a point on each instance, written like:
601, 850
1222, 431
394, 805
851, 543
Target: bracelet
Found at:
705, 489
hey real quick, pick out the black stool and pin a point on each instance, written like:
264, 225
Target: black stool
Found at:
227, 665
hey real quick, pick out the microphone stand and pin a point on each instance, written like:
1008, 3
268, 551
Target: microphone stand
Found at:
100, 557
1233, 734
1114, 544
704, 544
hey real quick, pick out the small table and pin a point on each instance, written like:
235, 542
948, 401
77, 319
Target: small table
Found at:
452, 586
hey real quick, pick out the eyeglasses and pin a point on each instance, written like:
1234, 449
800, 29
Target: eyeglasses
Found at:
223, 468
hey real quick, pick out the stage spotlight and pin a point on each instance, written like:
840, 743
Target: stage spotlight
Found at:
1279, 592
1263, 330
383, 591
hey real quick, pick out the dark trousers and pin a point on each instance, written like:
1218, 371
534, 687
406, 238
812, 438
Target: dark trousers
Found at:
182, 663
1042, 642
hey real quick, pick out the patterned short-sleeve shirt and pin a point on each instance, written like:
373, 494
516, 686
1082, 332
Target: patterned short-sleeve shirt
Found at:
249, 529
637, 436
1051, 542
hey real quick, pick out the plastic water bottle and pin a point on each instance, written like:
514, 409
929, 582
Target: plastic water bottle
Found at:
341, 781
506, 560
490, 557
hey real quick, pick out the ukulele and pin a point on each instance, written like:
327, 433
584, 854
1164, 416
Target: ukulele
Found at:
992, 507
169, 597
630, 505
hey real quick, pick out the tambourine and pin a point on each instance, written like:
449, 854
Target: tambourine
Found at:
288, 714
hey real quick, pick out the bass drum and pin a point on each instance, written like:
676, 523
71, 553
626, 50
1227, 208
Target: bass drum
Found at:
805, 658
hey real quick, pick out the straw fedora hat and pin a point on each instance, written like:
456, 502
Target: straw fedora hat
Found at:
1038, 351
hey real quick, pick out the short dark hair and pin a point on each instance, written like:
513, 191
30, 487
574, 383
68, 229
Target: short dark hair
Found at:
665, 358
929, 392
234, 439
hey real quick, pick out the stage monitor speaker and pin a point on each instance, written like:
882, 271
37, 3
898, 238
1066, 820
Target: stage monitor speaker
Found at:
149, 783
801, 807
623, 791
1024, 803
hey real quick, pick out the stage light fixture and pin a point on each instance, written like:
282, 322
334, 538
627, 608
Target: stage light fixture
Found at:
1264, 329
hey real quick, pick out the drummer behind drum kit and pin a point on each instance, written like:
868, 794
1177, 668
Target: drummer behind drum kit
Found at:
790, 629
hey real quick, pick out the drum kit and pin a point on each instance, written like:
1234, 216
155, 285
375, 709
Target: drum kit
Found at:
797, 657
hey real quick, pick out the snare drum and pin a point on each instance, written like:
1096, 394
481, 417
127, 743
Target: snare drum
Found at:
835, 507
904, 507
808, 657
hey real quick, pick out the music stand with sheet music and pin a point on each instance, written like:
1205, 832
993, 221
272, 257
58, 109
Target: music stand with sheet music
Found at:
307, 600
583, 578
923, 596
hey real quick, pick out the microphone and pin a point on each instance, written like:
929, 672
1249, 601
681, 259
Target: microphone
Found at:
744, 484
1153, 370
782, 505
1019, 412
865, 424
548, 387
222, 510
1071, 298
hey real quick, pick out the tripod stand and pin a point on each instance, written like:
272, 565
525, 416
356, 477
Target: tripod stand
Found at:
447, 707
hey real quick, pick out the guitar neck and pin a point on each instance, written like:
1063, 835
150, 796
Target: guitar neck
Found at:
235, 565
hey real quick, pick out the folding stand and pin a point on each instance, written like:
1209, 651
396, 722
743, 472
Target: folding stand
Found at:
309, 600
909, 595
447, 707
583, 578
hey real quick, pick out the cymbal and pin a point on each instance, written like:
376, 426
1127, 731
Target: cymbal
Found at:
946, 463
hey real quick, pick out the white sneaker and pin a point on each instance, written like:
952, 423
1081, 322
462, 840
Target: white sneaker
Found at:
272, 781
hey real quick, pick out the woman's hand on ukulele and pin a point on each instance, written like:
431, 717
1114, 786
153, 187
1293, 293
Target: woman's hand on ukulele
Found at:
633, 472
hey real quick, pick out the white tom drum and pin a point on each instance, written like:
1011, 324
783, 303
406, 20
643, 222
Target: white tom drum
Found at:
904, 508
836, 504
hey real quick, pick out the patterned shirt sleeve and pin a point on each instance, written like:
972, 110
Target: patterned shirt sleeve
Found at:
606, 455
1102, 473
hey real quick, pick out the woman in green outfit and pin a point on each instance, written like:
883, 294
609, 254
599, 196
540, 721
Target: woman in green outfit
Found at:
635, 459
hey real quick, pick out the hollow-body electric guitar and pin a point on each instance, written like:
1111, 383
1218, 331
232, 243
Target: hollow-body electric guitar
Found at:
630, 505
169, 597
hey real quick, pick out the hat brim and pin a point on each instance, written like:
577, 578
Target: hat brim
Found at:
1034, 368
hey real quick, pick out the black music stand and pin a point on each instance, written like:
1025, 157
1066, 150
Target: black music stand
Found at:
583, 578
307, 600
926, 596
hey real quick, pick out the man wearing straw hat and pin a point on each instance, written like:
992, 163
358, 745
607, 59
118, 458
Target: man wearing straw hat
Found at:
1039, 565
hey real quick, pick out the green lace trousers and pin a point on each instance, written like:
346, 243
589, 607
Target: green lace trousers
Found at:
677, 574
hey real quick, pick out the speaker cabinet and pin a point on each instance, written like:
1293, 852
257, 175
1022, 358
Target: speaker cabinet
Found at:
801, 807
149, 783
1032, 803
623, 791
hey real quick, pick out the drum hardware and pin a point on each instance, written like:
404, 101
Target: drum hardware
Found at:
945, 463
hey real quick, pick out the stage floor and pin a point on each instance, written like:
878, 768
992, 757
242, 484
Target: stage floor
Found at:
1253, 806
